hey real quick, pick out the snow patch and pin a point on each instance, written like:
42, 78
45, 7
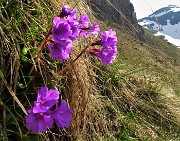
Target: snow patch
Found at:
170, 39
175, 9
171, 30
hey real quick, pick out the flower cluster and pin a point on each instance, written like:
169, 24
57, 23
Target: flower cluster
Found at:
68, 28
109, 49
40, 117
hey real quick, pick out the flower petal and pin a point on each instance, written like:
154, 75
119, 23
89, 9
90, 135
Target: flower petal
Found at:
62, 115
61, 50
42, 93
45, 122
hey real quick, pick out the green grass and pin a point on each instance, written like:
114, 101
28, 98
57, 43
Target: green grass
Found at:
154, 56
144, 115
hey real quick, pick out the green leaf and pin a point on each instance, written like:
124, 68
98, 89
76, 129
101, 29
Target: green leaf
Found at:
25, 50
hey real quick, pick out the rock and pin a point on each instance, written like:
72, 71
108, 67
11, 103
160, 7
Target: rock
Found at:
115, 12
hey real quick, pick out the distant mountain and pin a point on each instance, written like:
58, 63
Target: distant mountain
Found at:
166, 21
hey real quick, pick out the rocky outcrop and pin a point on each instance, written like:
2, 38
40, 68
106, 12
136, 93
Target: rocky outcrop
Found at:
117, 12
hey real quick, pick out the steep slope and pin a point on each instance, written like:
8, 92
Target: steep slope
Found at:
166, 21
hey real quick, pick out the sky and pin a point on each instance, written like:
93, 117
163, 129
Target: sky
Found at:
143, 7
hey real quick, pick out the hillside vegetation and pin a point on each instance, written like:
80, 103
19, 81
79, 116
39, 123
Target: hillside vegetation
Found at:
135, 98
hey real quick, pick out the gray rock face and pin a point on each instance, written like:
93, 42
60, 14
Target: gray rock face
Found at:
117, 11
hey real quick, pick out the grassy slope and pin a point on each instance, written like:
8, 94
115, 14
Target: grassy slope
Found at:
143, 83
157, 57
148, 70
136, 98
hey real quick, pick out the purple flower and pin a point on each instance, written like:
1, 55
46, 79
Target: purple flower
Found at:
39, 122
65, 29
72, 17
45, 100
94, 30
109, 50
107, 55
108, 38
65, 11
84, 21
68, 13
61, 30
62, 115
63, 33
84, 33
61, 49
56, 20
75, 31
